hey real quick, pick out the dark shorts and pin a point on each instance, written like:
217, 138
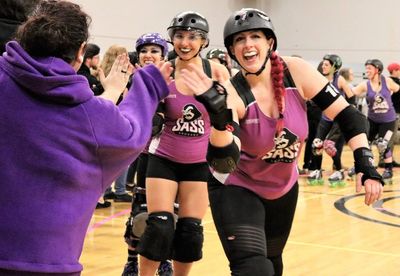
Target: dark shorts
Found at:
159, 167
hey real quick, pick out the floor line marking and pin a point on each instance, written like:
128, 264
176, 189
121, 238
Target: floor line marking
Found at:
107, 219
345, 249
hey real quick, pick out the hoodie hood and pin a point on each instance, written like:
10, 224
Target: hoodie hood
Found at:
49, 78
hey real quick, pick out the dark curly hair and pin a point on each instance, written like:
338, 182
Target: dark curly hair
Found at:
17, 10
56, 28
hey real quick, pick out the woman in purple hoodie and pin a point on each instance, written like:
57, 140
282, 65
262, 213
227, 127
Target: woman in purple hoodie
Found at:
61, 146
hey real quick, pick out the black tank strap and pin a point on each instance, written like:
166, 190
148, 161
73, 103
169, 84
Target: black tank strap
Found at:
173, 65
206, 67
242, 87
287, 77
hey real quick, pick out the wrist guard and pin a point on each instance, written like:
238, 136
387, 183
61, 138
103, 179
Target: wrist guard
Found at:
364, 163
214, 100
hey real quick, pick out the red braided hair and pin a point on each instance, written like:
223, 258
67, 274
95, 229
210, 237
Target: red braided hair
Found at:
279, 88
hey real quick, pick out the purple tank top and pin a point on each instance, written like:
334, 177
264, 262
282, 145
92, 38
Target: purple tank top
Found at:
380, 105
268, 164
186, 131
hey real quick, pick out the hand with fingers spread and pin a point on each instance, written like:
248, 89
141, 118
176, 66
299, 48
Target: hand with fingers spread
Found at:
116, 81
211, 94
196, 79
166, 70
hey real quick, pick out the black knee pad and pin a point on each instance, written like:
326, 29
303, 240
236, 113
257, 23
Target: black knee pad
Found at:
255, 265
188, 240
157, 239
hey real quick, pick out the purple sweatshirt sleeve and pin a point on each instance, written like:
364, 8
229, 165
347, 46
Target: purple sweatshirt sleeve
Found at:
123, 131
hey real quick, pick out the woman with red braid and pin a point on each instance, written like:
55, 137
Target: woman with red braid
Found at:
258, 128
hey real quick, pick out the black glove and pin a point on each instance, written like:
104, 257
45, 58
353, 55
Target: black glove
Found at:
214, 100
364, 163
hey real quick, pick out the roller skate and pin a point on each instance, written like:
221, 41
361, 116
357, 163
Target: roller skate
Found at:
337, 179
315, 178
165, 269
387, 176
351, 173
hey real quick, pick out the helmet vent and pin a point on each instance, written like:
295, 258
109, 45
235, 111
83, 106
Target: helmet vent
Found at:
251, 14
237, 17
193, 20
180, 19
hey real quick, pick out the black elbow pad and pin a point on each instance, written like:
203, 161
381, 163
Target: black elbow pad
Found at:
223, 160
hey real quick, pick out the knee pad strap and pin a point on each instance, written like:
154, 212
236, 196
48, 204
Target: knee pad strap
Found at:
157, 239
188, 240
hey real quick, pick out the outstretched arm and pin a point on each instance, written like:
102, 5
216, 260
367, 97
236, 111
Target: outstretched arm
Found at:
351, 121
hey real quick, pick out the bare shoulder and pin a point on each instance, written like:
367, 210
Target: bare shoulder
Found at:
306, 77
296, 65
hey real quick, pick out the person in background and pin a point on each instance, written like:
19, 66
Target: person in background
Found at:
394, 71
152, 48
120, 194
221, 56
314, 114
90, 64
381, 112
64, 146
259, 125
334, 142
12, 14
177, 167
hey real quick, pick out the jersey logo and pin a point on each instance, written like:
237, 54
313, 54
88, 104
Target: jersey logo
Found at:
286, 148
191, 123
380, 105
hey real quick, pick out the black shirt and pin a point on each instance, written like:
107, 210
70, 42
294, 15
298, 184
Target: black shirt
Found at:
94, 83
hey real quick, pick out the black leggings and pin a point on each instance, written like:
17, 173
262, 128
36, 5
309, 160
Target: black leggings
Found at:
253, 230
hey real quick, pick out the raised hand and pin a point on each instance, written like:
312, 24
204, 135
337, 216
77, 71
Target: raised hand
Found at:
196, 80
119, 75
166, 70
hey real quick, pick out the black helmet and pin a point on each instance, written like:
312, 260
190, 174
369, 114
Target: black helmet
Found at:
245, 20
188, 20
335, 60
376, 63
217, 53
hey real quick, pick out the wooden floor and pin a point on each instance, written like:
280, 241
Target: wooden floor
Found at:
334, 233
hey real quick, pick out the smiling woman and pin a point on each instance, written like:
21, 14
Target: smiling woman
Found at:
254, 189
177, 167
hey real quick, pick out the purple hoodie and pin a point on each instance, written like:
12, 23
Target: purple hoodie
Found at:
60, 148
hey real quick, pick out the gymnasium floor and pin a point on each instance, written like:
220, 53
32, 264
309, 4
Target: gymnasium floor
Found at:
334, 233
